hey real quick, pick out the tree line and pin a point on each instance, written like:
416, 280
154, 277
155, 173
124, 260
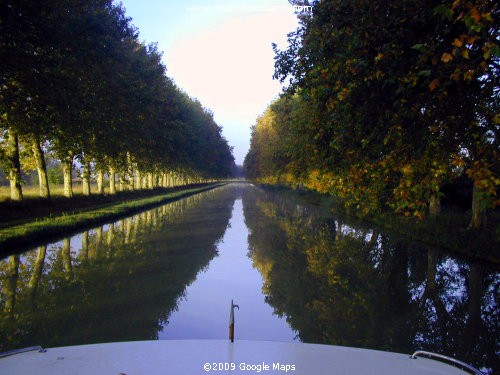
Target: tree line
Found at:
385, 102
77, 84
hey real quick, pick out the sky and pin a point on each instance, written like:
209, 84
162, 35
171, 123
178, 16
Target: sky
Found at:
219, 51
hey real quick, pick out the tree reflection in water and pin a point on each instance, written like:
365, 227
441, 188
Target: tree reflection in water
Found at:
335, 280
343, 283
117, 282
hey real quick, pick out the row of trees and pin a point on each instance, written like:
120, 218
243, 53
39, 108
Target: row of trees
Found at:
386, 102
76, 82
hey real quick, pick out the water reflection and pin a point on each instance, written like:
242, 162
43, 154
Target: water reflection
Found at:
335, 281
117, 282
345, 284
204, 312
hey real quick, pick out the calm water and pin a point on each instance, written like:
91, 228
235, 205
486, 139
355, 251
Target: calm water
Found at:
296, 271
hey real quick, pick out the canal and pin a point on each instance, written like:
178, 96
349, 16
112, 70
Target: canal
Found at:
297, 272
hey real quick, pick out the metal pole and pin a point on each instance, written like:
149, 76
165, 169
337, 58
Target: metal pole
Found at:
231, 321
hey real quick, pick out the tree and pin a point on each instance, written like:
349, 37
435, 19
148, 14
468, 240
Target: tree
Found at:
400, 98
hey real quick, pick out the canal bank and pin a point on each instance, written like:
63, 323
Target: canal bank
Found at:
447, 231
31, 233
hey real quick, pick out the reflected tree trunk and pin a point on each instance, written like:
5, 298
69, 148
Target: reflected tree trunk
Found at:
475, 291
110, 239
122, 227
85, 244
432, 293
128, 228
133, 231
41, 167
10, 284
430, 286
36, 273
94, 246
66, 257
99, 237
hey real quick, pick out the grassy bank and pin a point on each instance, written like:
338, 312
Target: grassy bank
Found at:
448, 231
33, 221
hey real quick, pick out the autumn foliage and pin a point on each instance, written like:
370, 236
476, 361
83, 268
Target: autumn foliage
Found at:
385, 102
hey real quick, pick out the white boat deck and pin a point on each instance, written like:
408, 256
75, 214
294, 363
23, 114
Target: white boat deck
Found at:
217, 356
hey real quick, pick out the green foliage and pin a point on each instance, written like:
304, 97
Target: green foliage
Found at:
55, 175
77, 79
389, 100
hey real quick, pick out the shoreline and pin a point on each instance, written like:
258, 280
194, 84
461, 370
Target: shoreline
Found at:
447, 231
32, 233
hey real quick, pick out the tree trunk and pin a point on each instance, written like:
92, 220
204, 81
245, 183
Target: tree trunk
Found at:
434, 204
130, 172
12, 154
150, 181
121, 181
138, 185
131, 181
478, 219
41, 167
86, 178
67, 164
112, 185
100, 181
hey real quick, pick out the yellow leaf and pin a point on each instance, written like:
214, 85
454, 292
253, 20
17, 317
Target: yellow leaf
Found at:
468, 75
487, 16
446, 57
471, 39
457, 43
465, 53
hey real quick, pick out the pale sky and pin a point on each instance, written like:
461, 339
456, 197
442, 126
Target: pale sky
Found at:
219, 51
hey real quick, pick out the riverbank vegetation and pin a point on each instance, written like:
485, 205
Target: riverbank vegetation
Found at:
82, 99
387, 105
446, 232
25, 223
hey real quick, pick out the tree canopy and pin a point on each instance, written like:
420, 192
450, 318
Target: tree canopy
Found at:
76, 82
385, 102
